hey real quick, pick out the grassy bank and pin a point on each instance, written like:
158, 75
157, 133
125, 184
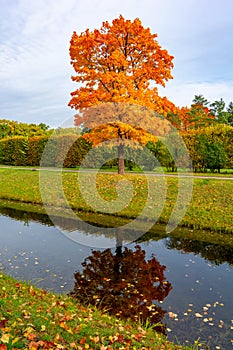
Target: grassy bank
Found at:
211, 206
31, 318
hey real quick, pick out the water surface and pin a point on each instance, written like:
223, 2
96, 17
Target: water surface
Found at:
199, 304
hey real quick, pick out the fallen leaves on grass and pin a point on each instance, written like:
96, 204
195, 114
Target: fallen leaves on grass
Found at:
35, 320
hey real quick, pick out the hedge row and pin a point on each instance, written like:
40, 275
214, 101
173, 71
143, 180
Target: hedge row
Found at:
209, 148
64, 150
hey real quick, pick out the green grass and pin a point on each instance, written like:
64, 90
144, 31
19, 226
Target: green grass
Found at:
31, 318
211, 206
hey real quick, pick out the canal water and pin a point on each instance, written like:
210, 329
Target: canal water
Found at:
199, 305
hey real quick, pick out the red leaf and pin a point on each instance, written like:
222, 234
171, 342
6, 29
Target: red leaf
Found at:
83, 340
3, 347
2, 324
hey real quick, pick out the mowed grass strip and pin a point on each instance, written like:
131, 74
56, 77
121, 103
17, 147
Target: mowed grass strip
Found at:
211, 206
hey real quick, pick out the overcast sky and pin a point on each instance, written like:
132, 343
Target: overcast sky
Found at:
35, 68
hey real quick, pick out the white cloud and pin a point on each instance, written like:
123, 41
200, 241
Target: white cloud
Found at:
34, 49
182, 94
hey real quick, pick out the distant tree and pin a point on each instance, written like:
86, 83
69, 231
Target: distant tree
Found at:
230, 114
176, 119
194, 117
200, 100
65, 131
214, 155
185, 122
11, 128
217, 108
44, 127
200, 116
210, 147
163, 156
5, 129
117, 64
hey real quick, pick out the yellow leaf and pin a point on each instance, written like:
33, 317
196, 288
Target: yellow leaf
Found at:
5, 338
43, 328
28, 331
15, 340
33, 347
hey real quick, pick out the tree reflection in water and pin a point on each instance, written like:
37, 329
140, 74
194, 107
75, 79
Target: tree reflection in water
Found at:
125, 284
215, 253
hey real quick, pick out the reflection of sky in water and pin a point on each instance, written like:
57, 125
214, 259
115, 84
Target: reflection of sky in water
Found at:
201, 295
47, 258
96, 242
40, 252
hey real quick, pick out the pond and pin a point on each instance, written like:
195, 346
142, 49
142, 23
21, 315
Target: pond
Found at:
198, 305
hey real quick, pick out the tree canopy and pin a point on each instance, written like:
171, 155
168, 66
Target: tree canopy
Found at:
11, 128
119, 64
201, 114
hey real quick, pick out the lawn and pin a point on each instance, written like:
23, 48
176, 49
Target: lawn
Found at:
211, 205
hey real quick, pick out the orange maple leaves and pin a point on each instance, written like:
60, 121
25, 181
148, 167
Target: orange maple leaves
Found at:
117, 64
121, 121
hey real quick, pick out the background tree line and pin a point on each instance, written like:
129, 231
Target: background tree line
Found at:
201, 114
206, 131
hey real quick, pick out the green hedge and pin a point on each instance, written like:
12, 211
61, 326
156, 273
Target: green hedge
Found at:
209, 148
71, 150
14, 151
36, 147
64, 150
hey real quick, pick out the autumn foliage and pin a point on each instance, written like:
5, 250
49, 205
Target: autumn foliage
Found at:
116, 65
197, 116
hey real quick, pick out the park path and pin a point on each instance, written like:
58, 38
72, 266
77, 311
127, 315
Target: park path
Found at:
180, 175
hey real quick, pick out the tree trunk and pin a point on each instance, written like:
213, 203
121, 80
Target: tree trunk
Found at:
121, 165
119, 254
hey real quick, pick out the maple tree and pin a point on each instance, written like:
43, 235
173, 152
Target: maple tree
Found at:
118, 64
